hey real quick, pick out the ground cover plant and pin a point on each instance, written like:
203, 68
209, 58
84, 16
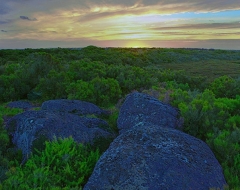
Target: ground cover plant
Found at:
203, 84
63, 164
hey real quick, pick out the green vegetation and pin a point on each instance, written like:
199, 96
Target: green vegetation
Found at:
63, 164
6, 153
203, 84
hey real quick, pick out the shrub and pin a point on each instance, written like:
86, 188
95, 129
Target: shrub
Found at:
216, 121
81, 90
107, 91
225, 145
225, 86
62, 164
5, 145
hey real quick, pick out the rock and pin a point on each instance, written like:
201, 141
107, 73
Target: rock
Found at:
142, 109
28, 127
72, 106
151, 154
20, 104
156, 157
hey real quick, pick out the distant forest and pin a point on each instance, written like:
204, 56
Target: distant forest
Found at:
204, 84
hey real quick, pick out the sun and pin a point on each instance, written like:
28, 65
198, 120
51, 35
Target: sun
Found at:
136, 44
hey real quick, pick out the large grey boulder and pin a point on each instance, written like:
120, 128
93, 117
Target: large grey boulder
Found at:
151, 154
72, 106
153, 157
142, 109
22, 104
35, 127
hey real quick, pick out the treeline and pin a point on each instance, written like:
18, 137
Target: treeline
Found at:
210, 110
125, 55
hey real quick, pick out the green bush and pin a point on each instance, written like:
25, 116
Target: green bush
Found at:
62, 164
53, 86
107, 91
12, 88
197, 111
112, 120
175, 85
216, 121
226, 146
86, 70
100, 91
225, 86
81, 90
181, 77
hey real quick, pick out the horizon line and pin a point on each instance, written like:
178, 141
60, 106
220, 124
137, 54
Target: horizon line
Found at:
143, 47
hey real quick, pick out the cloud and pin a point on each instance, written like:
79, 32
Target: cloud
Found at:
98, 20
191, 5
4, 9
199, 26
161, 7
128, 6
27, 18
90, 16
4, 21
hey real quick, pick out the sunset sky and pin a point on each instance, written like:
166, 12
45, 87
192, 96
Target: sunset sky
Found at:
120, 23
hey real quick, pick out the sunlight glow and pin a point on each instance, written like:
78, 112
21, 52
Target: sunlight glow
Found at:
119, 22
136, 44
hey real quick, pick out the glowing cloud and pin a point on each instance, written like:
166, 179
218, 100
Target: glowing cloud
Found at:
131, 23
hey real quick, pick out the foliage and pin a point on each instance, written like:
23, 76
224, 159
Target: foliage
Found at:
107, 91
196, 109
62, 164
11, 88
226, 146
203, 84
4, 142
101, 91
216, 121
112, 120
81, 90
182, 78
5, 145
225, 86
86, 70
53, 86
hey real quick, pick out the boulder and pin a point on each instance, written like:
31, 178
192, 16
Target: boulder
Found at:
72, 106
142, 109
20, 104
156, 157
35, 127
150, 153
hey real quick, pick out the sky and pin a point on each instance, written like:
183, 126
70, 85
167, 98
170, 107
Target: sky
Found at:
120, 23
